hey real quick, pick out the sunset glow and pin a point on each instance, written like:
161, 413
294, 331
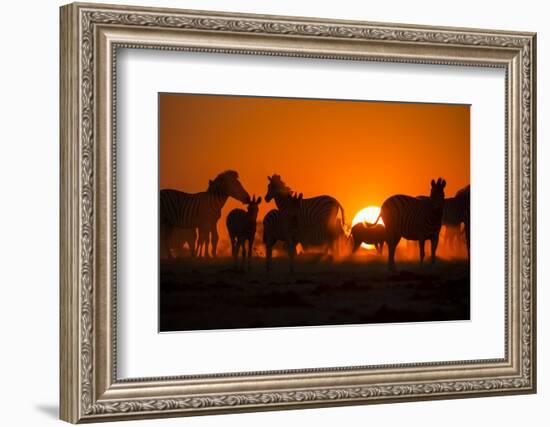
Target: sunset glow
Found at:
367, 215
359, 152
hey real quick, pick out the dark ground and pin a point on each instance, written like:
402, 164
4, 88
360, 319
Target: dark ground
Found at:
198, 294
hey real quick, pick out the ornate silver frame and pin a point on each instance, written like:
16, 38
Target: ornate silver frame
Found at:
90, 36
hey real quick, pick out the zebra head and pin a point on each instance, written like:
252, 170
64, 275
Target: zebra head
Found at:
437, 195
227, 183
276, 187
253, 206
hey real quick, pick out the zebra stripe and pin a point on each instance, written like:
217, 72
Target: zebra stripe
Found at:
410, 218
282, 226
200, 210
317, 216
413, 218
273, 228
185, 210
317, 236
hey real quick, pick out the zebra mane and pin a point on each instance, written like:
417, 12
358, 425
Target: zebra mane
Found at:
231, 174
279, 184
217, 182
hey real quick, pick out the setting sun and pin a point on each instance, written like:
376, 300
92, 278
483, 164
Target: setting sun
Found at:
367, 215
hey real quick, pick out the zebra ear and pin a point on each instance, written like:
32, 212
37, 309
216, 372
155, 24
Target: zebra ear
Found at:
259, 200
433, 183
443, 184
269, 178
300, 196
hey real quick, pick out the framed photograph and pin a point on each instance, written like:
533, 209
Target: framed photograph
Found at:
265, 212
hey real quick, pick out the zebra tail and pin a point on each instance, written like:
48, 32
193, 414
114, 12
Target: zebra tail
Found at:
343, 216
369, 224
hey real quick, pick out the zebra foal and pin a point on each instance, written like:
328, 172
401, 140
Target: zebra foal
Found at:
369, 234
241, 226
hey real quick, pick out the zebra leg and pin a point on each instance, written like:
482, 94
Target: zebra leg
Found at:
435, 241
356, 244
250, 241
392, 242
167, 234
206, 242
268, 254
243, 245
291, 254
198, 249
215, 238
391, 255
192, 244
234, 251
421, 246
203, 236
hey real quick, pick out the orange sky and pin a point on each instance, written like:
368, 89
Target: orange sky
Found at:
359, 152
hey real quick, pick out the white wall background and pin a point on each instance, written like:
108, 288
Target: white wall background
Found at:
29, 171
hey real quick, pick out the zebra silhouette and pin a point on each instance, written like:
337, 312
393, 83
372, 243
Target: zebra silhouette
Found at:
200, 210
370, 234
413, 218
317, 217
282, 225
455, 212
241, 226
458, 212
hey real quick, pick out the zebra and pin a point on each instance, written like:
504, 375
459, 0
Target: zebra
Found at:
241, 226
317, 216
373, 234
200, 210
282, 225
456, 211
413, 218
453, 213
463, 205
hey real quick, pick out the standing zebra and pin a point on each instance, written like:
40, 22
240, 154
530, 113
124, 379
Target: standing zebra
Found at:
282, 225
317, 217
241, 226
462, 197
200, 210
453, 217
413, 218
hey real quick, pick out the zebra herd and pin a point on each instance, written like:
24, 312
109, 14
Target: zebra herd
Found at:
310, 222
